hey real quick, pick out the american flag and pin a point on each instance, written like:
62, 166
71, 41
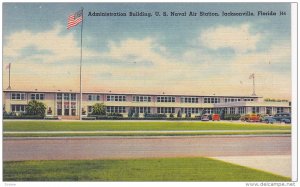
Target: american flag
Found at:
75, 19
251, 76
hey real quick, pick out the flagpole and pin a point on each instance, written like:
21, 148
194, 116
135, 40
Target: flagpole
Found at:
80, 105
253, 94
9, 77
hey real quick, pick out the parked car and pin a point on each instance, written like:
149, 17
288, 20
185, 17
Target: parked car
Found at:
268, 119
205, 117
215, 117
251, 118
283, 117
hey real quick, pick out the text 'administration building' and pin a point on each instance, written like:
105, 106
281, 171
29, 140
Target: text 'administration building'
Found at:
67, 103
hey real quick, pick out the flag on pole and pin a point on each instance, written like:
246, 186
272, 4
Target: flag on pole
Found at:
8, 66
74, 19
251, 76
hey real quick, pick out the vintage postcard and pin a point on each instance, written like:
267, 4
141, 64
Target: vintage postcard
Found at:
148, 92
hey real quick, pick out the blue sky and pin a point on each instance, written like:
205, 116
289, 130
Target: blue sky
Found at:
192, 55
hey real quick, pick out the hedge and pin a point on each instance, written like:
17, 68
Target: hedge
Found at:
232, 116
23, 117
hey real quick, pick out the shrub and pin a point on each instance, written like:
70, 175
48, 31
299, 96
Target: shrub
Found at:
171, 115
179, 115
130, 112
36, 108
156, 116
232, 116
99, 109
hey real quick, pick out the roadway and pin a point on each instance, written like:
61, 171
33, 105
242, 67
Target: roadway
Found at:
110, 147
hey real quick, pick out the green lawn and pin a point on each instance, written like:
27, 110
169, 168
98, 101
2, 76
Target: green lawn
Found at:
132, 126
165, 169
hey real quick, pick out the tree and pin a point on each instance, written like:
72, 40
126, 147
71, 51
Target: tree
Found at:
36, 108
130, 112
179, 115
99, 109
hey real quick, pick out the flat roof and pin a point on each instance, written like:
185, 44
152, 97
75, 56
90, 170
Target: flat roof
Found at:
116, 93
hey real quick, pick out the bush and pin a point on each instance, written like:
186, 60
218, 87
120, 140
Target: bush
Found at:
156, 116
232, 116
115, 114
179, 115
130, 113
23, 117
171, 115
36, 108
99, 109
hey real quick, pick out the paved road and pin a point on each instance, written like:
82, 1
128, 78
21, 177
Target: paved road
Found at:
141, 147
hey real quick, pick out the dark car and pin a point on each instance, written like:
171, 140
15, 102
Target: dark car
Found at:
268, 119
283, 117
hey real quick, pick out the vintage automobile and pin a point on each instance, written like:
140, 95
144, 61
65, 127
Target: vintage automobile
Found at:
215, 117
268, 119
205, 117
251, 118
282, 117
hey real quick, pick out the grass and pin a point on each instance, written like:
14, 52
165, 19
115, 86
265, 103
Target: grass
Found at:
132, 126
162, 169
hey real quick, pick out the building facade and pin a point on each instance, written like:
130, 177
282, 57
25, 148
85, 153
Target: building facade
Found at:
67, 103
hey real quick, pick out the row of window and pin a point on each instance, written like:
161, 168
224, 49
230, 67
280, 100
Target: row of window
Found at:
141, 110
141, 98
161, 110
211, 100
18, 96
66, 96
189, 100
37, 96
166, 99
116, 98
93, 97
115, 109
165, 110
191, 110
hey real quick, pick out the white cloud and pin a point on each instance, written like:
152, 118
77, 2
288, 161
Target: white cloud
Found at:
238, 38
195, 72
58, 47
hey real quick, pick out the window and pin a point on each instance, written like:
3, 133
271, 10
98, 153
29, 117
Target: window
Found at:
279, 109
232, 110
115, 109
212, 100
18, 108
90, 109
190, 110
37, 96
141, 109
59, 96
142, 98
116, 98
93, 97
189, 100
73, 97
241, 110
66, 96
18, 96
166, 99
255, 110
163, 110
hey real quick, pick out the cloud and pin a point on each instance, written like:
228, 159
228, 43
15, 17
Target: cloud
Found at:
239, 38
145, 65
49, 46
